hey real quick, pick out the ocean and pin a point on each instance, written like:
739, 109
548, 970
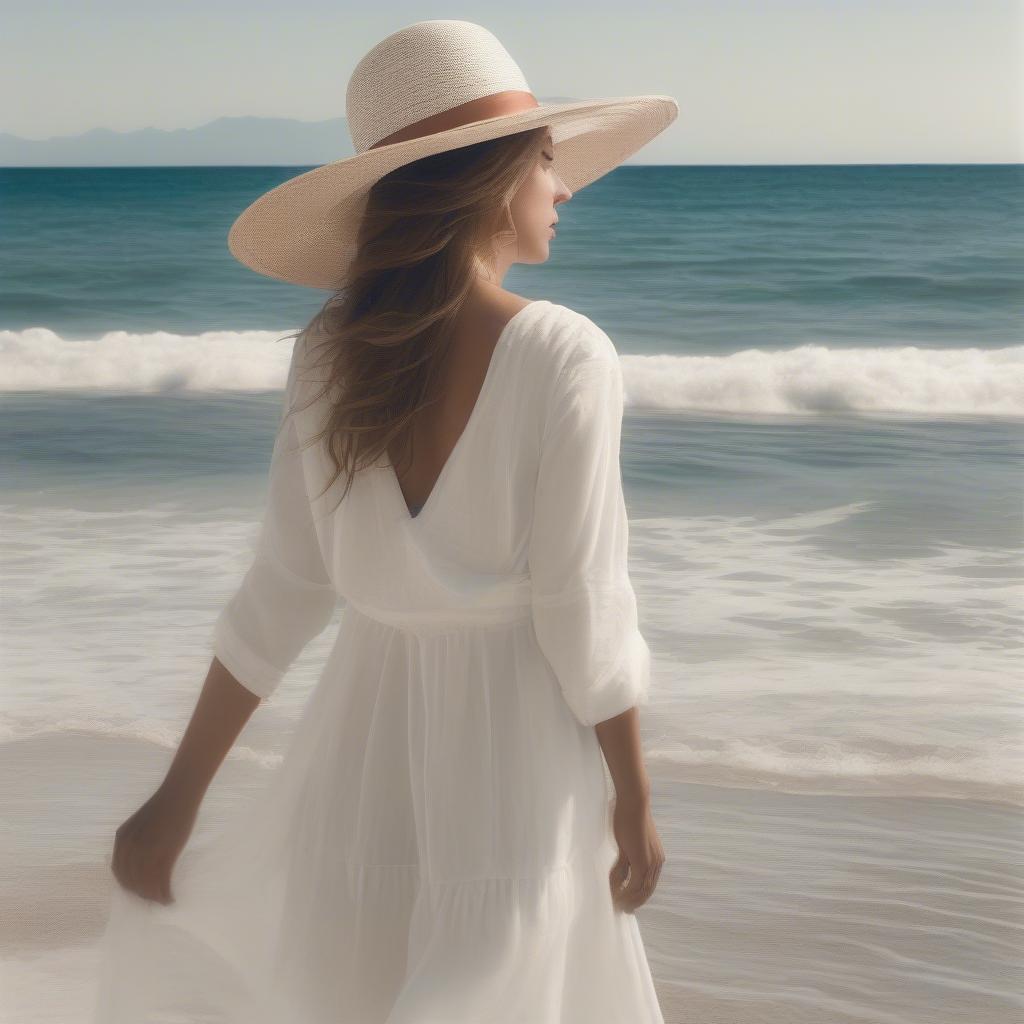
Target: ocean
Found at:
824, 371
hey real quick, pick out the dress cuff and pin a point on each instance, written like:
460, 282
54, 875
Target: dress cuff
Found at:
626, 685
255, 674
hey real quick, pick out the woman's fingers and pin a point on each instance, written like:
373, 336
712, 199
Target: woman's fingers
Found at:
641, 854
140, 869
152, 874
639, 887
618, 873
162, 886
147, 881
635, 892
126, 861
148, 843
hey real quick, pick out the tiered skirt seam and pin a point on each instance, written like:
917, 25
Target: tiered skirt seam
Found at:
574, 862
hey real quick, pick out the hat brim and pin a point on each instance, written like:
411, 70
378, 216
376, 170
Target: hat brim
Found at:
303, 231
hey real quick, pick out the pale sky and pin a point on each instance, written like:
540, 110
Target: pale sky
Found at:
775, 81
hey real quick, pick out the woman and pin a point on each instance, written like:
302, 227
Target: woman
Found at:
436, 846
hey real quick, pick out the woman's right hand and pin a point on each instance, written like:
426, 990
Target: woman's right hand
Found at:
147, 845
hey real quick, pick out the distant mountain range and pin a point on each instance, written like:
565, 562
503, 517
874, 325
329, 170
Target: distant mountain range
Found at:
227, 141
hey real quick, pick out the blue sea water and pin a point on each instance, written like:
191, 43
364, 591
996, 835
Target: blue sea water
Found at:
824, 371
825, 383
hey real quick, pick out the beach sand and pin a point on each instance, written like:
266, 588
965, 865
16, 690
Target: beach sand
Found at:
772, 907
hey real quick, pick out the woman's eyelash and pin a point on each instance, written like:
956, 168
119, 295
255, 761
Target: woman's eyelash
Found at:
548, 157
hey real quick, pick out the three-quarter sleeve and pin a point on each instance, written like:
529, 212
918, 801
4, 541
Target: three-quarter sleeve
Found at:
584, 607
286, 597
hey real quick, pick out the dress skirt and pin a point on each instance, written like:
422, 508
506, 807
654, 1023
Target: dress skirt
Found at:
434, 848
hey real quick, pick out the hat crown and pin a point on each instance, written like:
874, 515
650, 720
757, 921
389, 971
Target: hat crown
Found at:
423, 70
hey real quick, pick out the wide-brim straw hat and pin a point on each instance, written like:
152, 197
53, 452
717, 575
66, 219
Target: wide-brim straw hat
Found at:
430, 87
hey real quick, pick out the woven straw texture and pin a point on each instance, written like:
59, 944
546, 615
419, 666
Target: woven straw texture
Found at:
303, 231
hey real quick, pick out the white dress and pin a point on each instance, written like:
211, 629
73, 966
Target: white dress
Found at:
435, 846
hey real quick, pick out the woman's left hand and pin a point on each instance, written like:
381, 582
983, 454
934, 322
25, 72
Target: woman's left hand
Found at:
634, 875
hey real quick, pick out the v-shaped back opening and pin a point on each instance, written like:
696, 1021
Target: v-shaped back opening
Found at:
415, 511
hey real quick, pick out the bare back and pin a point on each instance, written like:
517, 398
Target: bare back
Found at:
437, 429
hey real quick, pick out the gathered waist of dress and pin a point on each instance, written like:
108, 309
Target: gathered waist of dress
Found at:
507, 601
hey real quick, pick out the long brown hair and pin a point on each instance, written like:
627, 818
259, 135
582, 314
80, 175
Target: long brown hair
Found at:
428, 228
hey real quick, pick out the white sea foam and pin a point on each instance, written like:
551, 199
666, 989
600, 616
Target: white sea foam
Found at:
804, 379
38, 359
819, 379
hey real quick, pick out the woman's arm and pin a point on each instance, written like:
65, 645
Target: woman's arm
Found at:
584, 607
285, 599
641, 854
619, 738
223, 708
147, 845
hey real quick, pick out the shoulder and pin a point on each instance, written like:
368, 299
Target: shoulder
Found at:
310, 365
578, 377
309, 388
567, 341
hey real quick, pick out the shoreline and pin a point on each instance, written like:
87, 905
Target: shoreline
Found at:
772, 906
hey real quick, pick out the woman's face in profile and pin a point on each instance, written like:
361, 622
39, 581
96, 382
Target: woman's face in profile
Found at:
533, 208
